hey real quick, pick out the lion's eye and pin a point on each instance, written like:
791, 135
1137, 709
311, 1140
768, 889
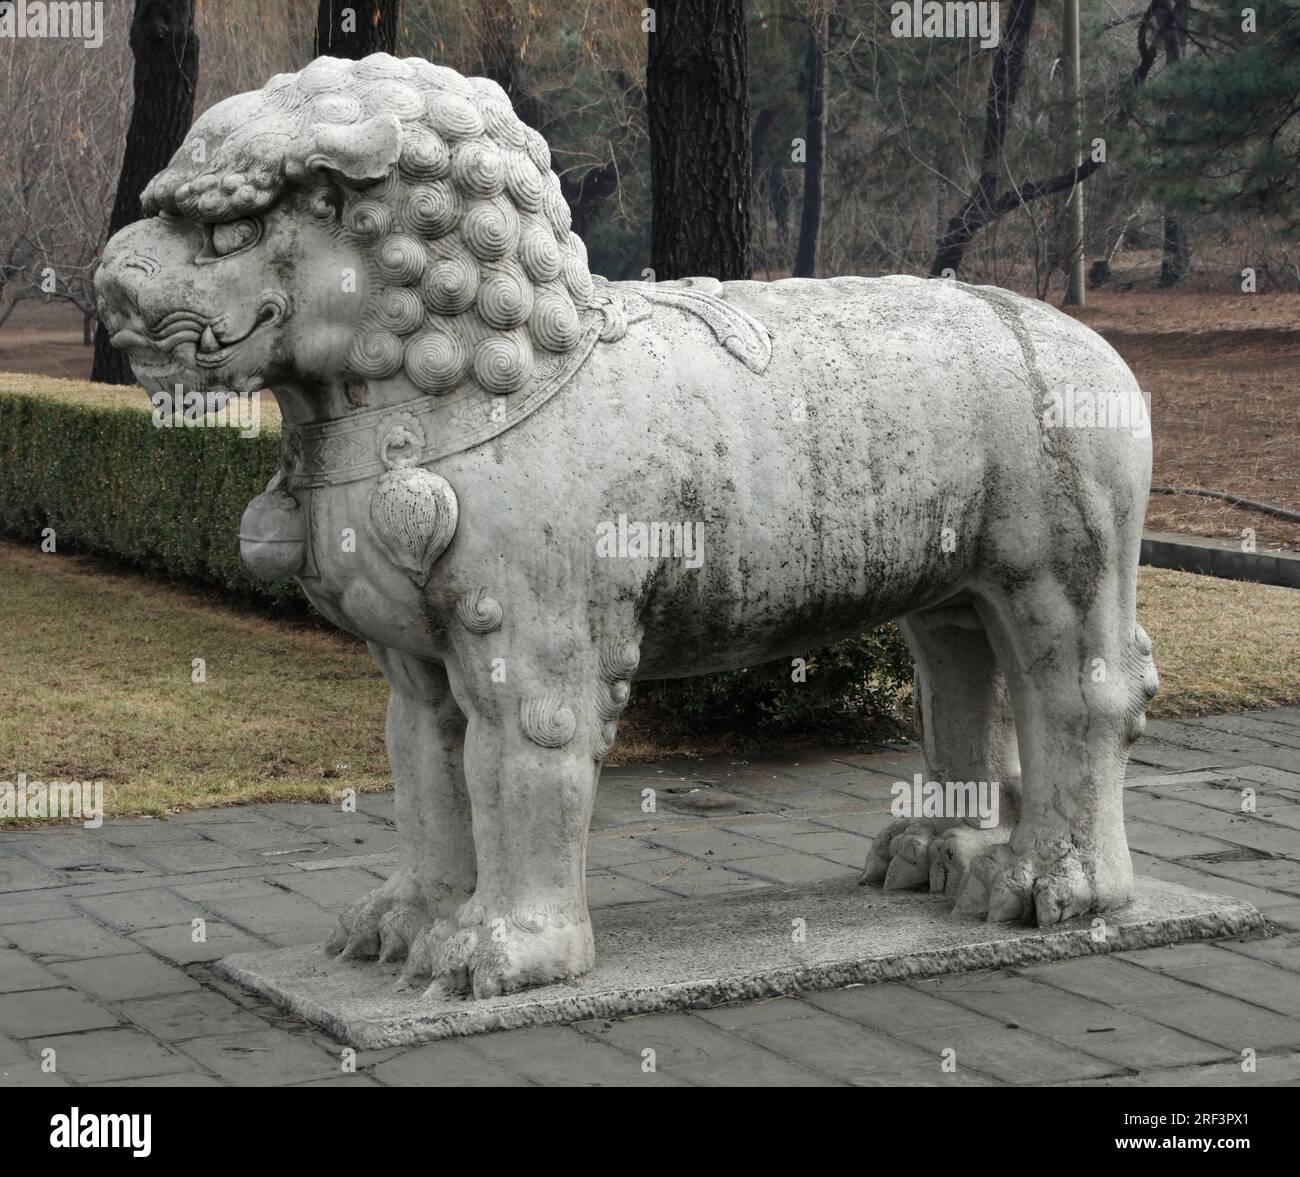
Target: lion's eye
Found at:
234, 236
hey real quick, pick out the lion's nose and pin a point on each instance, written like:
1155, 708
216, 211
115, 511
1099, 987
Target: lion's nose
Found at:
117, 284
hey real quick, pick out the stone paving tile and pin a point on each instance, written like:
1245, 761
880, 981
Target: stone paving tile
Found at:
333, 890
1274, 779
253, 831
178, 944
18, 971
190, 857
1278, 950
1165, 842
718, 844
1239, 829
1270, 874
1087, 1026
108, 1055
359, 837
180, 1079
201, 1014
144, 831
835, 1047
130, 911
1269, 1069
793, 868
264, 1058
866, 825
271, 910
445, 1064
119, 978
1213, 1017
1212, 967
689, 878
12, 1051
985, 1046
1166, 756
84, 859
33, 907
74, 938
1270, 809
840, 846
51, 1011
1198, 880
621, 849
29, 1074
561, 1056
606, 889
694, 1052
18, 874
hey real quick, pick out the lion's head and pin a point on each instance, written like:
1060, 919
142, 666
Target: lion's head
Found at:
356, 221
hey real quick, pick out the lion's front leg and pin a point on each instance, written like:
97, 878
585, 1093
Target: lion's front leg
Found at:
435, 871
532, 754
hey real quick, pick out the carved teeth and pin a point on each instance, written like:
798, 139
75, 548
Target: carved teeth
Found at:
208, 341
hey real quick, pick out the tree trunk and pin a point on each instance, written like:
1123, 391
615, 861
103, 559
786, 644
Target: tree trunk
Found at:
810, 217
1005, 77
356, 28
1176, 259
697, 100
165, 46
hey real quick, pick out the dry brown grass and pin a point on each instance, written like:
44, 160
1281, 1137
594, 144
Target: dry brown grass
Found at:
1223, 375
96, 685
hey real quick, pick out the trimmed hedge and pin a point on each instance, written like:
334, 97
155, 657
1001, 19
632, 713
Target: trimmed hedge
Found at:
90, 463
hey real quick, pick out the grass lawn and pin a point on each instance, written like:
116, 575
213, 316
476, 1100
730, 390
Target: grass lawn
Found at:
96, 684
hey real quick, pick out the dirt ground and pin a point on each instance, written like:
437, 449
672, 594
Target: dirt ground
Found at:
1222, 372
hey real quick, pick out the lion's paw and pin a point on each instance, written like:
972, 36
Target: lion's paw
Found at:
916, 853
900, 855
953, 852
383, 924
488, 954
1045, 885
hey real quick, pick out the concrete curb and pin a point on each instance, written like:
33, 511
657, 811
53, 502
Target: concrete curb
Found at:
1213, 557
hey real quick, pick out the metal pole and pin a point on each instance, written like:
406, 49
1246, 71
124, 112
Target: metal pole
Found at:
1074, 287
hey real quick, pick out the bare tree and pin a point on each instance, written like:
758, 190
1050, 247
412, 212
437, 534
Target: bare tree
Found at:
697, 104
165, 45
985, 205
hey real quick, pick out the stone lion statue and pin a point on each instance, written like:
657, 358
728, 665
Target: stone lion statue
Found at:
557, 485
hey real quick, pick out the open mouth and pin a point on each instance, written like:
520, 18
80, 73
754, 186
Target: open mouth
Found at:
214, 344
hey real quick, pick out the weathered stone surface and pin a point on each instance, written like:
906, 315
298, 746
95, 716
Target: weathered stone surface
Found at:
676, 955
490, 424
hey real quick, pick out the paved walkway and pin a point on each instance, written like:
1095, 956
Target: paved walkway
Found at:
98, 963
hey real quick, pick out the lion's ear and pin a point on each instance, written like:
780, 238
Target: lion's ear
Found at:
356, 152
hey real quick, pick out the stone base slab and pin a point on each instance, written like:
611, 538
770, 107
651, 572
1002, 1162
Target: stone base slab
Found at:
695, 953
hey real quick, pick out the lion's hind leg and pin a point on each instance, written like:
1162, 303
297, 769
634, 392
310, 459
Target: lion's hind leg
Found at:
968, 734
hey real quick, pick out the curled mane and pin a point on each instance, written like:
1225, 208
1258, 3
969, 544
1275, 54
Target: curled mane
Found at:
473, 271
